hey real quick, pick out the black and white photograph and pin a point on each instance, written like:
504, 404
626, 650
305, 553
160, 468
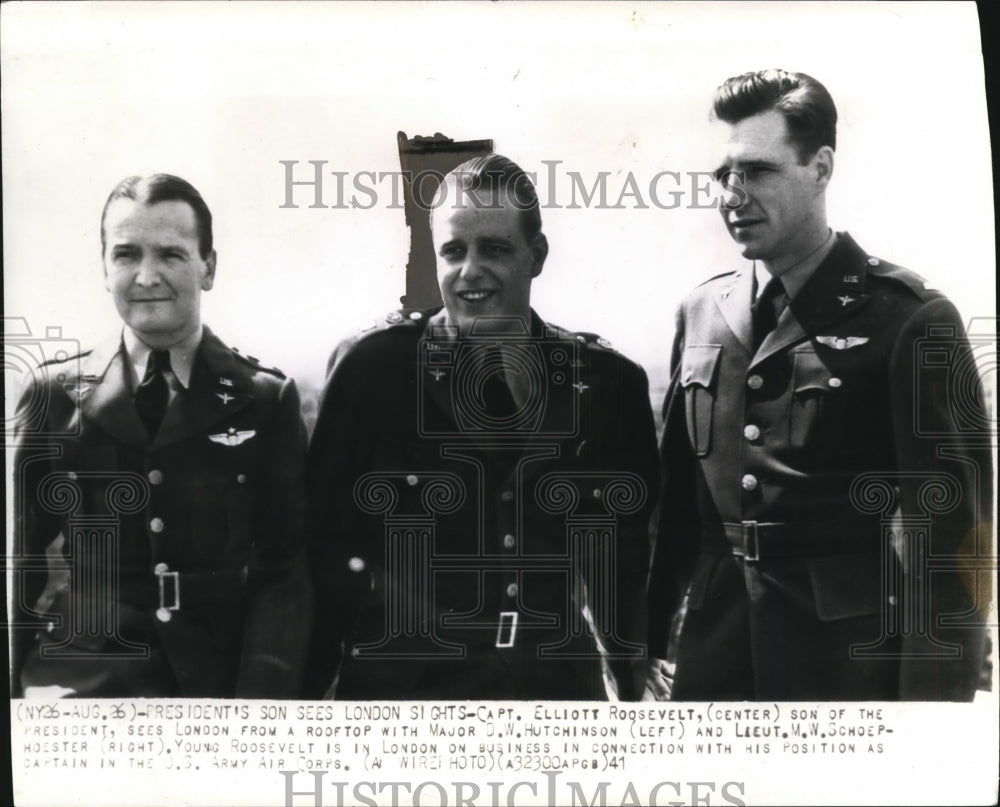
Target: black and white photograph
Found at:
499, 403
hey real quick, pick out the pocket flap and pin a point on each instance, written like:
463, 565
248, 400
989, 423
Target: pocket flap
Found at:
810, 372
846, 586
698, 365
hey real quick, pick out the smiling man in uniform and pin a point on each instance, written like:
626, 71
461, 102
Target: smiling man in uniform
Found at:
800, 421
482, 482
170, 469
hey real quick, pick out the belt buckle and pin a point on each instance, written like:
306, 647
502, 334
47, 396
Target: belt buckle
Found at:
508, 622
751, 542
162, 571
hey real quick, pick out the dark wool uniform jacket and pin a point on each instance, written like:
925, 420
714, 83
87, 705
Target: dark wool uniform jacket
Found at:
824, 496
460, 553
217, 497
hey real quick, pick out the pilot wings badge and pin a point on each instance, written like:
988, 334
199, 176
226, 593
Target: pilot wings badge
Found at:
232, 437
842, 342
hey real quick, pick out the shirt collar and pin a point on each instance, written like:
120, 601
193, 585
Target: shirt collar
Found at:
795, 278
181, 355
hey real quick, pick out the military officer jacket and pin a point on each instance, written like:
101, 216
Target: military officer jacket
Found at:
467, 552
824, 494
185, 552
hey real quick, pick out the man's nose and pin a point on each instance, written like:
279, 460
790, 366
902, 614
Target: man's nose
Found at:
148, 272
734, 192
472, 266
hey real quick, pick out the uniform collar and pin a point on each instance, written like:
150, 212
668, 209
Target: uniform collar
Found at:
794, 278
182, 355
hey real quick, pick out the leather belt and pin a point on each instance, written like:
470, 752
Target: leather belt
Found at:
169, 590
198, 586
762, 540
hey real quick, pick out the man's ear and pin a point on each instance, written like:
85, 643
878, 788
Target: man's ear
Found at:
540, 251
823, 163
209, 277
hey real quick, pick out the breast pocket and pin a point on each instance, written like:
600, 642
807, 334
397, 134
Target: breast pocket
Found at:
814, 389
699, 368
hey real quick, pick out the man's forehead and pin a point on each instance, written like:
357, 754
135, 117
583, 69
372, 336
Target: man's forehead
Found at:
128, 216
759, 137
486, 212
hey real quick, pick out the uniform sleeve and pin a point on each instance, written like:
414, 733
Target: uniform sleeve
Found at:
677, 523
942, 437
635, 439
35, 528
279, 596
335, 462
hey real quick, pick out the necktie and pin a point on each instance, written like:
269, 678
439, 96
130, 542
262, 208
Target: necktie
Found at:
765, 312
153, 394
499, 401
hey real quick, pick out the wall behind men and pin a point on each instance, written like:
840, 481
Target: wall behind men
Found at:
221, 94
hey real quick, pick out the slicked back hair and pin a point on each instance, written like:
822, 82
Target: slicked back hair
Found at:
495, 173
805, 104
163, 188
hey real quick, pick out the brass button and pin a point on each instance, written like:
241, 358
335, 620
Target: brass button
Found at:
161, 568
356, 564
873, 261
755, 381
751, 432
597, 493
749, 482
512, 590
416, 315
156, 525
411, 479
507, 495
155, 476
509, 541
163, 615
835, 383
71, 476
241, 478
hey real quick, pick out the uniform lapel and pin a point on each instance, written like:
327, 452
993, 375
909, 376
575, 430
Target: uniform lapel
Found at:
733, 299
834, 291
105, 394
220, 386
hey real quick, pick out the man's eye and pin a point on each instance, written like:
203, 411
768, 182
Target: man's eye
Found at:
124, 255
173, 255
495, 249
452, 252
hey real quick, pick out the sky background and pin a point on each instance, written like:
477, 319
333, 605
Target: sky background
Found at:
220, 94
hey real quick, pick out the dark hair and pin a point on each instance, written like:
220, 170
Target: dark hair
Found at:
164, 188
805, 104
495, 173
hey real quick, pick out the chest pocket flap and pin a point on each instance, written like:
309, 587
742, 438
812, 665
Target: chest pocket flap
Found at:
699, 368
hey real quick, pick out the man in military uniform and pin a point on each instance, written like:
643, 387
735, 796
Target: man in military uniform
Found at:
801, 424
482, 482
170, 467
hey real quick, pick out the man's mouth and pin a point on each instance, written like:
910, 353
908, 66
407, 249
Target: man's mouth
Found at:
743, 224
475, 295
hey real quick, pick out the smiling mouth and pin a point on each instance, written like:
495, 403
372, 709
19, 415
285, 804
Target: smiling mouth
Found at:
475, 295
152, 300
